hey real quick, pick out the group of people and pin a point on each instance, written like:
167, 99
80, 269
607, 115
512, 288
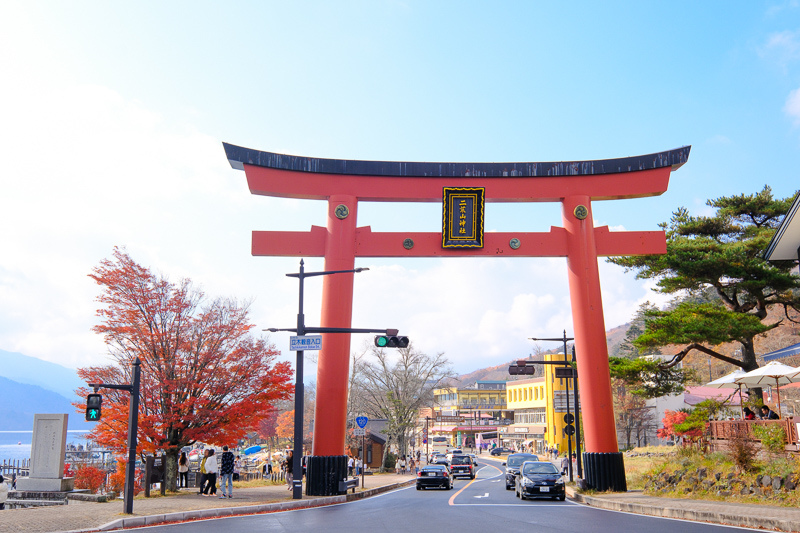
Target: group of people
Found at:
765, 413
227, 468
354, 466
406, 465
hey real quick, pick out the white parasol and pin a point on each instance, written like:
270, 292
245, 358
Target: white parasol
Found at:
728, 381
773, 372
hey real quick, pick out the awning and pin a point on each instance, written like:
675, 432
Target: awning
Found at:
783, 353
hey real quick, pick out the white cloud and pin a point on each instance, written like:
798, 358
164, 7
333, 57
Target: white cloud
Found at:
782, 47
792, 106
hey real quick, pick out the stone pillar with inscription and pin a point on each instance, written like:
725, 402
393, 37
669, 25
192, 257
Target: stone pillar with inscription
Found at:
47, 455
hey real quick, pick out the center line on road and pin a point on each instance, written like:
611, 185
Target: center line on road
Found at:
453, 497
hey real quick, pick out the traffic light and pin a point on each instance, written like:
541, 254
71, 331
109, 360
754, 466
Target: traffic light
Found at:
94, 404
391, 341
521, 368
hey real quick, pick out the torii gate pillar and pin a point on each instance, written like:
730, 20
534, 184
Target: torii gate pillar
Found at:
344, 183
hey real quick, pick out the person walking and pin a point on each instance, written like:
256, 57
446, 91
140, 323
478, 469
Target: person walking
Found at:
183, 471
203, 475
237, 468
211, 469
350, 464
227, 461
289, 465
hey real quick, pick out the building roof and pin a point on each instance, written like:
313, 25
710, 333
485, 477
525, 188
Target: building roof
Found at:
786, 241
239, 156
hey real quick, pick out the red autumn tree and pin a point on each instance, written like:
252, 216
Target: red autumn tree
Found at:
284, 427
672, 421
204, 377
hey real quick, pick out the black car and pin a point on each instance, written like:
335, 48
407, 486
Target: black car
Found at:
435, 476
512, 464
461, 465
540, 478
498, 451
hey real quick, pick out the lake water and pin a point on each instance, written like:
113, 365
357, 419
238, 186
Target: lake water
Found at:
16, 445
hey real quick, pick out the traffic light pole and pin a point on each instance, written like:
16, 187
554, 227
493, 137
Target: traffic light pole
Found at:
301, 329
566, 362
133, 428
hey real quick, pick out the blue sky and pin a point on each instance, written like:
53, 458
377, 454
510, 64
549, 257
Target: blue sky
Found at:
112, 116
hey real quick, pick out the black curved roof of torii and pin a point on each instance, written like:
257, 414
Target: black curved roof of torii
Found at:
239, 156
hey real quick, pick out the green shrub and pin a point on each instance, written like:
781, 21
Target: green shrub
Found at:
390, 461
772, 437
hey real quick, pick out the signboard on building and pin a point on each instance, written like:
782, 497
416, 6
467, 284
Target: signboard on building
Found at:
462, 217
520, 429
450, 419
560, 401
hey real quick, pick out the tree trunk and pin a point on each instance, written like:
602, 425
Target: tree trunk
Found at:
749, 359
171, 468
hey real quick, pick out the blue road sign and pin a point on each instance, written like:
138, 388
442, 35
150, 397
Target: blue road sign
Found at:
362, 421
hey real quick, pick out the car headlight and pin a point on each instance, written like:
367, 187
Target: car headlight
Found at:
525, 481
560, 481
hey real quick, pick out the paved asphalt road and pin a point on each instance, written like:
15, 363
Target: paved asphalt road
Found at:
482, 505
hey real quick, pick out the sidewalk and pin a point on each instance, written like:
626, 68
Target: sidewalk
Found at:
188, 505
87, 516
769, 517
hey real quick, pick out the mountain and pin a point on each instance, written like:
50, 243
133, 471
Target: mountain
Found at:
614, 337
21, 401
32, 371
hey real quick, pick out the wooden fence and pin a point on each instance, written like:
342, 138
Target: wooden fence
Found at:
722, 430
15, 468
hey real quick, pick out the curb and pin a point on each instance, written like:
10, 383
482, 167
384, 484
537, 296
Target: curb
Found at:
682, 513
182, 516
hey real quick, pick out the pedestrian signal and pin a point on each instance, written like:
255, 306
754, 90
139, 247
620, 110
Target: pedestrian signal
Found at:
94, 404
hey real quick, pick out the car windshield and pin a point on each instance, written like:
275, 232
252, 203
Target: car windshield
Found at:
460, 460
539, 468
516, 460
434, 467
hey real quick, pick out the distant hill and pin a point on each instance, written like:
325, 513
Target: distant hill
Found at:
32, 371
614, 337
21, 401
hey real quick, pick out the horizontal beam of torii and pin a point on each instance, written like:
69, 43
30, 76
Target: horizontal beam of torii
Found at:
345, 183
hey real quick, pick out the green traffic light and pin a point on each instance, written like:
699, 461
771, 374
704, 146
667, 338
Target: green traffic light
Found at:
93, 414
381, 341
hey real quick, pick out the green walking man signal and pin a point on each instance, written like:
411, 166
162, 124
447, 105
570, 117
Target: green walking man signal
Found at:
391, 341
94, 403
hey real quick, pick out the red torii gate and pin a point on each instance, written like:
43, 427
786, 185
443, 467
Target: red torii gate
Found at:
343, 183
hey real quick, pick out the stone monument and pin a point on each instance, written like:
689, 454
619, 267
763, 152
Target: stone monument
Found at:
47, 455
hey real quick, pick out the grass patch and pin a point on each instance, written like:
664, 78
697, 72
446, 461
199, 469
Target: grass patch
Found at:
689, 473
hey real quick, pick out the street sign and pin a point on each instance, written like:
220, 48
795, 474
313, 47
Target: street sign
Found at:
305, 342
567, 372
362, 421
359, 432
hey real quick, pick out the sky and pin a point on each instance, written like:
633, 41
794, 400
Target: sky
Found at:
113, 114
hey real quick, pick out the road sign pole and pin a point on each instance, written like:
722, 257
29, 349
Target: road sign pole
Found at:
363, 458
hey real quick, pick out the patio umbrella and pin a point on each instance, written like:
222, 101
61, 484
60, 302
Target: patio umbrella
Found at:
728, 381
775, 372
